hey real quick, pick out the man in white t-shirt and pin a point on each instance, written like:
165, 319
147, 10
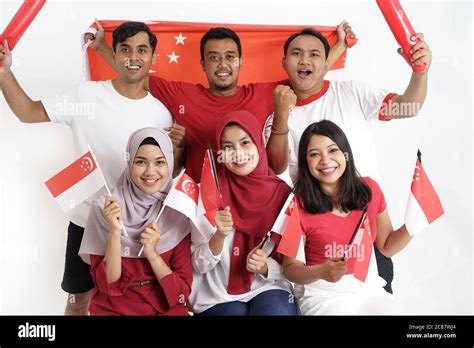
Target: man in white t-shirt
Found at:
102, 115
350, 104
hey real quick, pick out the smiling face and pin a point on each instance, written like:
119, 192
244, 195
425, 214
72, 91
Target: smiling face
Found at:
305, 64
221, 63
326, 162
133, 58
149, 170
240, 152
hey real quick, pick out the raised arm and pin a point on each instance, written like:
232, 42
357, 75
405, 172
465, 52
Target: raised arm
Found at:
409, 103
277, 127
23, 107
105, 51
343, 30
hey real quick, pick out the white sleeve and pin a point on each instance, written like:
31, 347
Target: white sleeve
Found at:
370, 99
275, 271
267, 130
62, 107
202, 258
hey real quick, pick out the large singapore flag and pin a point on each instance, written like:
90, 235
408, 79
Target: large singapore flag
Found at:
424, 205
77, 182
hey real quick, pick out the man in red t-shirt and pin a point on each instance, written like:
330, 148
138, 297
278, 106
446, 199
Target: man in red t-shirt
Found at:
197, 108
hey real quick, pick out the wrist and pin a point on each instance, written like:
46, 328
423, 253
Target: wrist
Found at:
115, 232
153, 257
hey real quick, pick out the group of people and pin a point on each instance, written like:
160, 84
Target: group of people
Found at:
306, 123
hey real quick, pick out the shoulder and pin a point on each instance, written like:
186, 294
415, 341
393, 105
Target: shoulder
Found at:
371, 183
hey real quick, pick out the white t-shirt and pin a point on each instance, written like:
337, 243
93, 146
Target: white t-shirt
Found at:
349, 104
211, 275
101, 117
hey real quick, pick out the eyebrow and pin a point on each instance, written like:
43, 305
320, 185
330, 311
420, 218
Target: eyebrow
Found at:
241, 139
215, 52
123, 44
146, 159
300, 49
327, 147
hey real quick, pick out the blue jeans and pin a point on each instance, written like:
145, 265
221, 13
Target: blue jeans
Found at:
270, 302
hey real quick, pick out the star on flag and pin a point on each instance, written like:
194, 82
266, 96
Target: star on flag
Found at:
180, 39
173, 57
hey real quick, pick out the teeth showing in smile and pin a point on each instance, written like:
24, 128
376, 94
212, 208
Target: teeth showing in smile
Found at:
304, 72
133, 67
150, 182
242, 161
223, 74
328, 170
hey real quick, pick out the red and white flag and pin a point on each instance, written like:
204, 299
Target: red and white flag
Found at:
179, 55
184, 195
424, 205
287, 224
363, 243
210, 199
77, 182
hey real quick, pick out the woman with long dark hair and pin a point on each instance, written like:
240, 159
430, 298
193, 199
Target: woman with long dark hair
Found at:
340, 275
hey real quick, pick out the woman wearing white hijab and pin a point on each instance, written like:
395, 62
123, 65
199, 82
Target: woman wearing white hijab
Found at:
158, 282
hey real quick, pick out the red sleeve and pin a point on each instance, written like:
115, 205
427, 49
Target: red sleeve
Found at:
383, 108
177, 285
165, 91
377, 196
116, 288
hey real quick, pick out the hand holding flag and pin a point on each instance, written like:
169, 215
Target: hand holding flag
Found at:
223, 220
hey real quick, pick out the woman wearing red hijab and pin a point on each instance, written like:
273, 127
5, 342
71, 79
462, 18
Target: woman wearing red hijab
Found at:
232, 274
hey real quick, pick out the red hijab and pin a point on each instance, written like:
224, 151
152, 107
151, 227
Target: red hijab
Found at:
255, 201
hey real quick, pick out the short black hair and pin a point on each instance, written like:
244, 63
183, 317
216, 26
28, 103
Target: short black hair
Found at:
354, 194
220, 34
310, 32
129, 29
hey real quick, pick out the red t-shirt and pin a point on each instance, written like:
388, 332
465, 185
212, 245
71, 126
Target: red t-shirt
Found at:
167, 297
327, 234
199, 111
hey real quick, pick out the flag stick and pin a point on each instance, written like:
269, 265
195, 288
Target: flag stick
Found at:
106, 186
164, 203
350, 245
213, 166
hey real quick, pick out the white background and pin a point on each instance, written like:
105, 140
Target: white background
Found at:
433, 275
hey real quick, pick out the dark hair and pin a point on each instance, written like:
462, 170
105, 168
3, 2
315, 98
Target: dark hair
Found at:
129, 29
220, 34
149, 141
311, 32
354, 193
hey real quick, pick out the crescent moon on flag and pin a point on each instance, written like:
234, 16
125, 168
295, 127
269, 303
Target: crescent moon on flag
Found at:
91, 164
184, 184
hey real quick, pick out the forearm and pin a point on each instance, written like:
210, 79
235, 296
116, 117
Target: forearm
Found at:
107, 53
113, 257
335, 53
22, 106
301, 274
216, 243
179, 159
277, 145
396, 241
159, 266
409, 103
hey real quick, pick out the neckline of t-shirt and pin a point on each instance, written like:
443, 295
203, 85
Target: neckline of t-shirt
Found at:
342, 217
126, 98
314, 96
